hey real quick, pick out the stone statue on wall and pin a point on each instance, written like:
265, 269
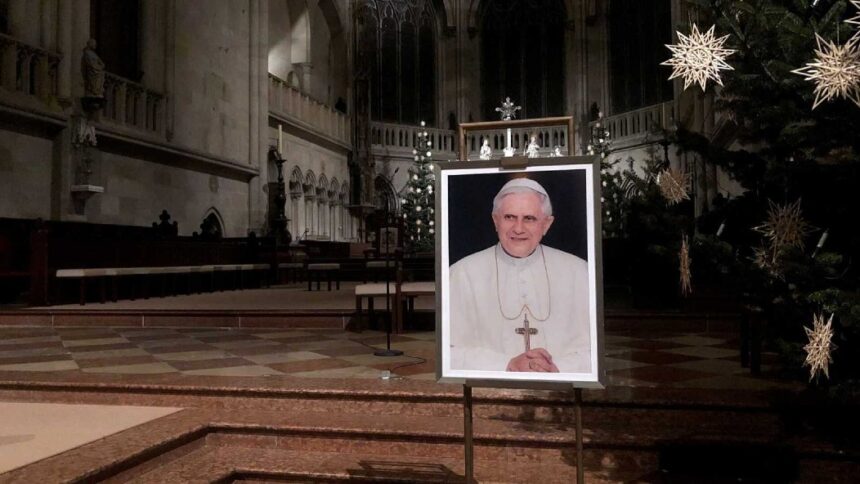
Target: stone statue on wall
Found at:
93, 70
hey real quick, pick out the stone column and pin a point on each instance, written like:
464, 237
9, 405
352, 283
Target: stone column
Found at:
47, 34
64, 47
258, 112
80, 34
576, 67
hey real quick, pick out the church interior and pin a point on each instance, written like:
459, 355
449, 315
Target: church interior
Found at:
217, 217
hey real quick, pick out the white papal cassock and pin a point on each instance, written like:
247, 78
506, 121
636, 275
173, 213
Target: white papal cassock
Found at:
489, 291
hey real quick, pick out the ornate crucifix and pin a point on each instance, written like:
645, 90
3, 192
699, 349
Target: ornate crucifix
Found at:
527, 331
508, 111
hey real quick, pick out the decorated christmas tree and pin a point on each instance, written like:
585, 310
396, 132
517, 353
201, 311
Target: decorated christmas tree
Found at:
418, 203
791, 105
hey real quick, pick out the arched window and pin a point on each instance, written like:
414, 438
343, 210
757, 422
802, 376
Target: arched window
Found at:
522, 56
397, 52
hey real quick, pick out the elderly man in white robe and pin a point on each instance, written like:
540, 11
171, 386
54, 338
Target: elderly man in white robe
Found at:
520, 306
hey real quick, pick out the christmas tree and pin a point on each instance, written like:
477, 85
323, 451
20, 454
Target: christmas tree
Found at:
796, 150
418, 203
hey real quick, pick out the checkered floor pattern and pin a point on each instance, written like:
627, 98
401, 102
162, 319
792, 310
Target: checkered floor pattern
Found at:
655, 359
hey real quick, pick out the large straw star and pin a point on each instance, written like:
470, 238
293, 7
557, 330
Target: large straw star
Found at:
856, 19
836, 70
785, 227
819, 347
699, 57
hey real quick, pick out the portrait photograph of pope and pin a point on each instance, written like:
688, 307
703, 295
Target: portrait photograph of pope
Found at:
520, 287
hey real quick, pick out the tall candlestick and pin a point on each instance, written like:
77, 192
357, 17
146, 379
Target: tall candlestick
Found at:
280, 139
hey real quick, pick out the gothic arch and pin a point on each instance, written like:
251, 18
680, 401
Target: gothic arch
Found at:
212, 225
310, 183
385, 192
322, 189
333, 189
296, 181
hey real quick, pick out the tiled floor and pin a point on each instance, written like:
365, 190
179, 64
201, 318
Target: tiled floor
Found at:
663, 359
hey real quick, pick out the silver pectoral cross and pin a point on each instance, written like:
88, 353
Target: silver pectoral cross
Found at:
527, 332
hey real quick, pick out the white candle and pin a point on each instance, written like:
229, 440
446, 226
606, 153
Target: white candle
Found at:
720, 230
509, 137
822, 239
280, 139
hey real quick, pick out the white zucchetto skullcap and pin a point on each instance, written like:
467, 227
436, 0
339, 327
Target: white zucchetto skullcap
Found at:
520, 185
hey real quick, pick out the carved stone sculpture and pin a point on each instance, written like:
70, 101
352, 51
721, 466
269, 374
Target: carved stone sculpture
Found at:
486, 151
532, 149
93, 71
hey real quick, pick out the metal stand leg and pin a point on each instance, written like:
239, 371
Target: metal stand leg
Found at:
577, 409
467, 434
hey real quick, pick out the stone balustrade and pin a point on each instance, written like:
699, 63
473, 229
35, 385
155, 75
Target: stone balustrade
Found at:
289, 103
639, 122
547, 138
402, 138
132, 105
28, 69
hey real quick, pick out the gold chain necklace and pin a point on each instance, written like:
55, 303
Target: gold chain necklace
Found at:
525, 306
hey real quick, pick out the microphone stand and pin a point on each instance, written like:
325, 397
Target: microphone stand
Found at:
387, 351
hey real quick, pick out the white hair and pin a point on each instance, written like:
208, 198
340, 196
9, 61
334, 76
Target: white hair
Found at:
545, 204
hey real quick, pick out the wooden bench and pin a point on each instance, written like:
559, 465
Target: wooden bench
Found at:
111, 275
328, 270
370, 291
405, 299
291, 271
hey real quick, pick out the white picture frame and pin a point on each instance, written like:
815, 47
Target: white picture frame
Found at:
573, 186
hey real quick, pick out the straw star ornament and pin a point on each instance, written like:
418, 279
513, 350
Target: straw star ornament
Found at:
835, 71
819, 348
856, 19
785, 227
699, 57
674, 185
686, 275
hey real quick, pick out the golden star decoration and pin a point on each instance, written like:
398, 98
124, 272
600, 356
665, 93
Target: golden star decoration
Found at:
674, 185
685, 260
835, 71
699, 57
819, 348
785, 227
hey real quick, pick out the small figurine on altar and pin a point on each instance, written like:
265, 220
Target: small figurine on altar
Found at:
556, 152
486, 151
532, 149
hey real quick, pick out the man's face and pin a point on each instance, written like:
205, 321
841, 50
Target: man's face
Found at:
521, 223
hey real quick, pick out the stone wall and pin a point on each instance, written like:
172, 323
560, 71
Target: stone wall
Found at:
25, 175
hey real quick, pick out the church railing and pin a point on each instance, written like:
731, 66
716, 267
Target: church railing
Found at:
132, 105
401, 138
547, 137
639, 122
289, 103
28, 69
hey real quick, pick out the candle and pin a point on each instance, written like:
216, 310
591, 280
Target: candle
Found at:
280, 139
722, 227
822, 239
